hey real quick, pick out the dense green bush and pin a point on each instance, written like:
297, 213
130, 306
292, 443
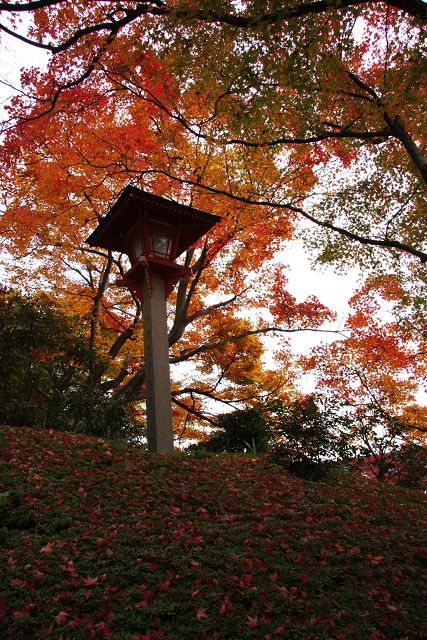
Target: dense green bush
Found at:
44, 369
40, 353
412, 466
238, 431
94, 413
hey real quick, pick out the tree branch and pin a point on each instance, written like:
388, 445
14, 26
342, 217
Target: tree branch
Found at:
113, 26
396, 127
414, 8
112, 384
194, 412
189, 353
387, 244
208, 394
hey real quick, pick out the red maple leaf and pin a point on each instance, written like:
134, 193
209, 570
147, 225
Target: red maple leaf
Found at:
246, 579
150, 635
61, 617
89, 581
112, 589
225, 606
252, 622
102, 542
103, 628
164, 585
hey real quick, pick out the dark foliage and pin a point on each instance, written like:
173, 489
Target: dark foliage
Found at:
40, 353
311, 436
387, 450
238, 431
44, 368
96, 414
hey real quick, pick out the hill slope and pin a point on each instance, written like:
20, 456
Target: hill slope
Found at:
109, 542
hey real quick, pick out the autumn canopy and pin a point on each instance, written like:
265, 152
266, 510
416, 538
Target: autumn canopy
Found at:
286, 119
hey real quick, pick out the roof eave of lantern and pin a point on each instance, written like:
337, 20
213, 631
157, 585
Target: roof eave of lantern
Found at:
134, 203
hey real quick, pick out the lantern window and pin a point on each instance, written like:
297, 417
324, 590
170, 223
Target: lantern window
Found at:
137, 246
161, 243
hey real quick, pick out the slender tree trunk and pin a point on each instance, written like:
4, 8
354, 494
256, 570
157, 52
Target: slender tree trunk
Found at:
96, 314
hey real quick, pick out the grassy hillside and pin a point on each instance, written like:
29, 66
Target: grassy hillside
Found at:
97, 541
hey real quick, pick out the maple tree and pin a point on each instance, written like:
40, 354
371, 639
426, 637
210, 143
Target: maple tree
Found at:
378, 364
39, 222
387, 450
64, 170
376, 371
51, 225
346, 95
271, 114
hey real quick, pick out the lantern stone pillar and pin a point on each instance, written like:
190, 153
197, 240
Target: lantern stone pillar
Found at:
156, 359
153, 232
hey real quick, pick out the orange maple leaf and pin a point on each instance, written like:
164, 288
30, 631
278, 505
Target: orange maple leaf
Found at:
300, 558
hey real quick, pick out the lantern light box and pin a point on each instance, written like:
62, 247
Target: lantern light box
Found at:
153, 232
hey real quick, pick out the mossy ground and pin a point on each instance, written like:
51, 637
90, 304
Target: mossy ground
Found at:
100, 540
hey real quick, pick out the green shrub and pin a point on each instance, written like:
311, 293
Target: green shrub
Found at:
45, 362
239, 431
41, 352
97, 414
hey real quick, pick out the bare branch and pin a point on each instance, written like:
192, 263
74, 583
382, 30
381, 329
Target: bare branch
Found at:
207, 394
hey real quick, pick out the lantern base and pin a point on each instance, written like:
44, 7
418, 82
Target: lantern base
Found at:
145, 269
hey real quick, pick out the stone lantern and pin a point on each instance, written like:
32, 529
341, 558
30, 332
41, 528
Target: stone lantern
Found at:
153, 232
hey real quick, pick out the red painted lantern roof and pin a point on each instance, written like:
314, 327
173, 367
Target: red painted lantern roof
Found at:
134, 203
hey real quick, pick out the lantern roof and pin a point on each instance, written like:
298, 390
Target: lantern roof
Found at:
135, 204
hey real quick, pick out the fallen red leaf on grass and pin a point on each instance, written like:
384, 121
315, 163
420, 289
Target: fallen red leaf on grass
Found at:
252, 622
201, 613
61, 617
